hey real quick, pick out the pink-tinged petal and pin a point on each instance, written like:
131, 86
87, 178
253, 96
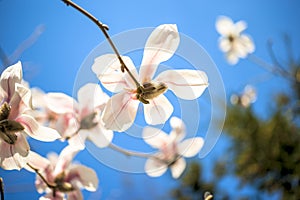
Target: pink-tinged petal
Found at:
37, 162
155, 137
224, 25
190, 147
120, 112
78, 141
75, 195
67, 125
186, 84
158, 110
60, 103
108, 70
90, 96
160, 46
9, 77
64, 159
155, 168
86, 177
25, 94
178, 167
14, 156
178, 129
100, 136
36, 131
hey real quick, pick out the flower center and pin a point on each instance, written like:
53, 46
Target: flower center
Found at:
89, 121
8, 128
150, 90
231, 38
61, 184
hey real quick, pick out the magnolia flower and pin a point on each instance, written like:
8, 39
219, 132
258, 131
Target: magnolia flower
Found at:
61, 177
232, 42
15, 122
78, 121
121, 109
171, 149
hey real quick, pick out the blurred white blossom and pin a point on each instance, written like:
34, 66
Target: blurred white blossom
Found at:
232, 41
172, 149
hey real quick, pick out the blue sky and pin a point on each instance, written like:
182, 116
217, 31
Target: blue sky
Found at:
53, 61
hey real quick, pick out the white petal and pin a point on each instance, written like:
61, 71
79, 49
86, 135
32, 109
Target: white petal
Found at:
190, 147
10, 76
224, 25
108, 70
155, 137
60, 103
186, 84
158, 110
160, 46
91, 96
64, 159
232, 57
37, 162
78, 141
224, 44
75, 195
100, 136
14, 156
36, 131
240, 26
178, 129
120, 112
178, 167
155, 168
85, 175
248, 43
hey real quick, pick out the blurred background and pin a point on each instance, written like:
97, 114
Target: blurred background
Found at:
258, 153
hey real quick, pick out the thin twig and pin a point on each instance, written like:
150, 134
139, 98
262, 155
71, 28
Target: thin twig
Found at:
51, 186
1, 188
269, 67
104, 28
134, 153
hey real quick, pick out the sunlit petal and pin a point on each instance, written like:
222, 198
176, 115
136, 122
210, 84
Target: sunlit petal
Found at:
108, 70
190, 147
100, 136
36, 131
85, 175
186, 84
155, 168
155, 137
91, 96
64, 159
158, 110
10, 76
160, 46
120, 112
178, 167
60, 103
224, 25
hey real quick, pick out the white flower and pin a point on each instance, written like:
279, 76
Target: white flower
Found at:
171, 149
81, 120
15, 120
232, 42
121, 109
65, 177
248, 97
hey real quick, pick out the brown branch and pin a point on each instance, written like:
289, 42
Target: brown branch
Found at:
104, 28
